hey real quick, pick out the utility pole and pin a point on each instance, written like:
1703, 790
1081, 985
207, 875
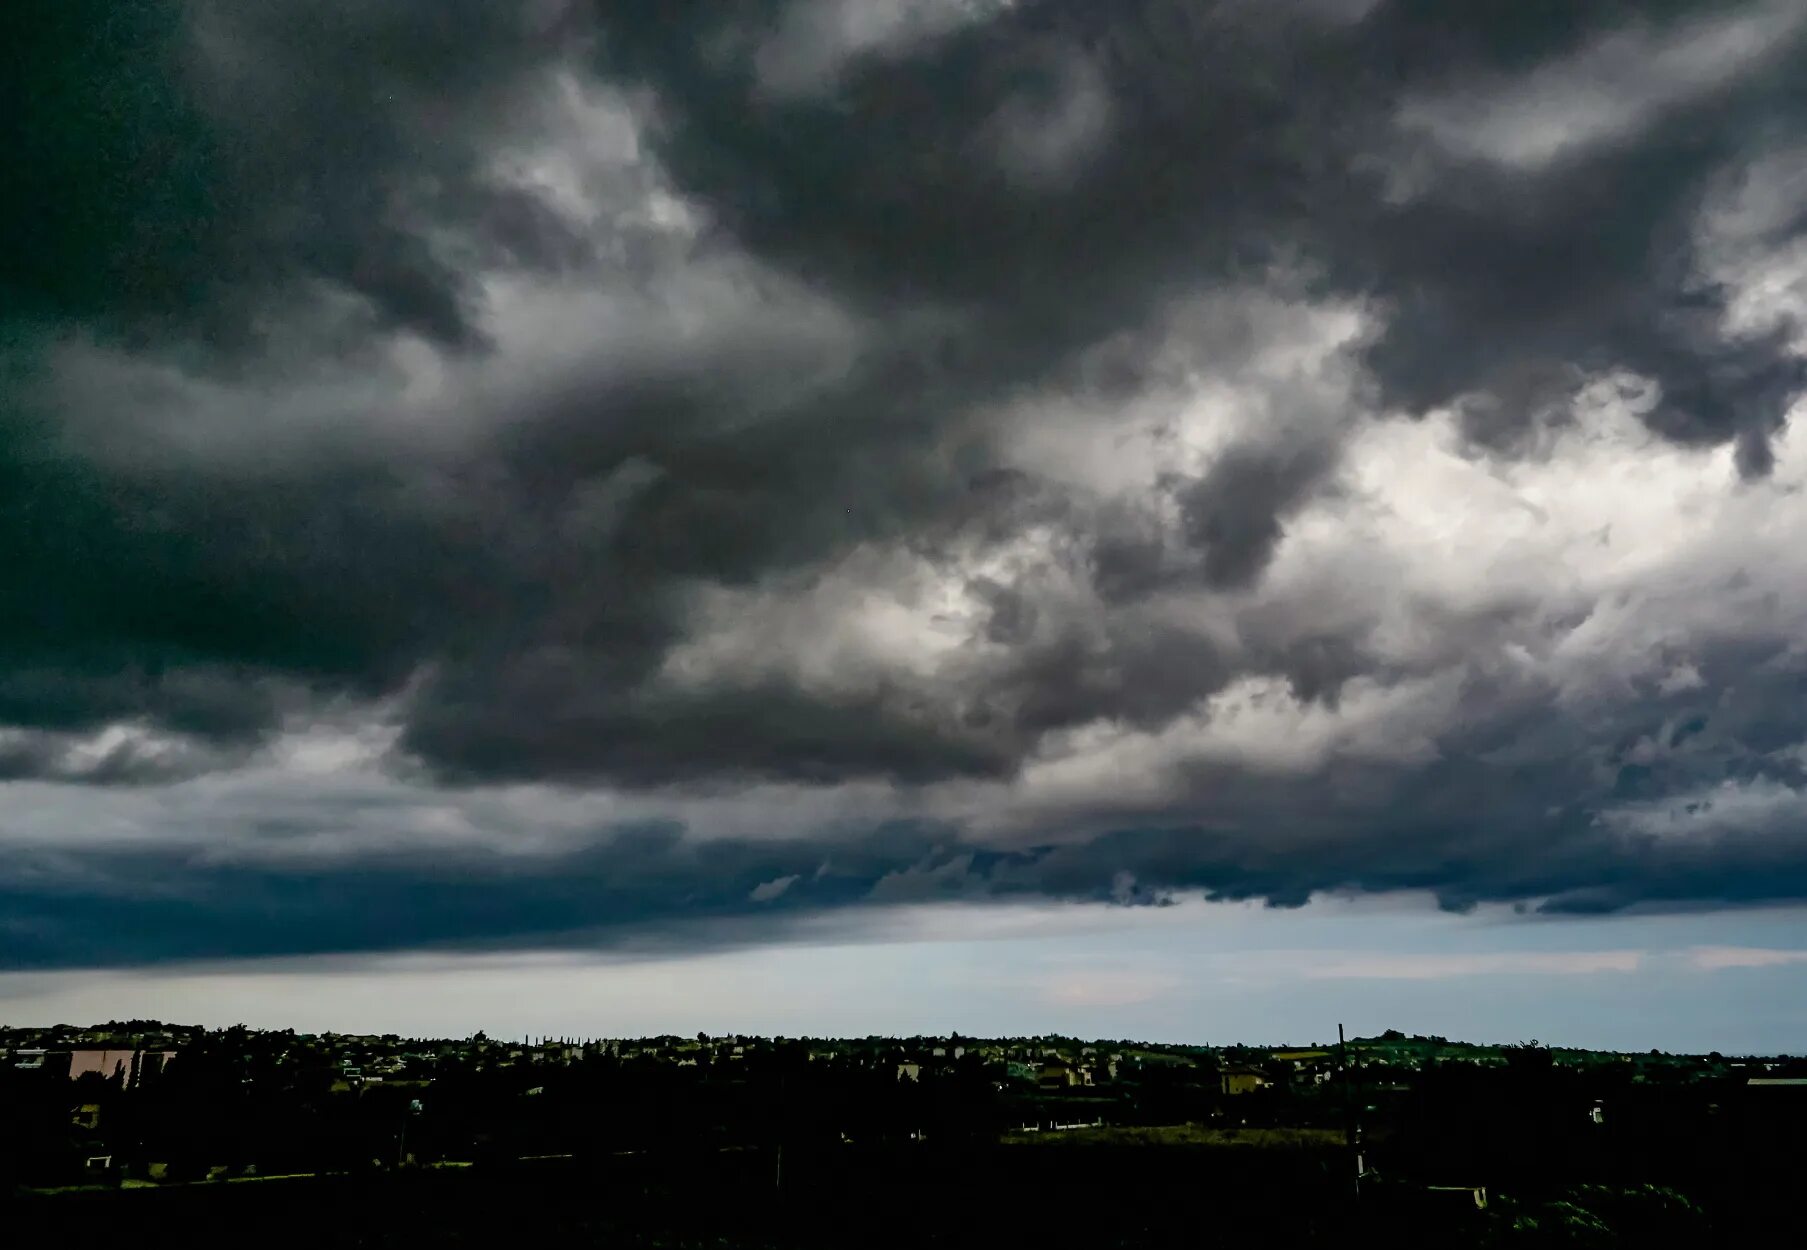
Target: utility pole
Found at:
1352, 1132
778, 1120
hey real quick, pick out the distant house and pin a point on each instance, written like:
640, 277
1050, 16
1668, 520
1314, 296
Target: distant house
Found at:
909, 1071
1057, 1076
1242, 1080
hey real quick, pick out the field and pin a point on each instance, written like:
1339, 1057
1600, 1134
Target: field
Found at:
1120, 1195
1196, 1135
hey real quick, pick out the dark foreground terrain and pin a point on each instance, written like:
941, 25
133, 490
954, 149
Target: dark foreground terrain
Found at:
234, 1137
1070, 1193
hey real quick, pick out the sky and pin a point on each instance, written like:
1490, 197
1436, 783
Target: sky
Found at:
1185, 520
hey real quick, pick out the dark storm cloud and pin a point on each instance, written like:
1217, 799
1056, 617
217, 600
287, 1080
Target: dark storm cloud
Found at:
147, 595
650, 890
1235, 512
193, 167
627, 890
1237, 134
980, 215
1500, 274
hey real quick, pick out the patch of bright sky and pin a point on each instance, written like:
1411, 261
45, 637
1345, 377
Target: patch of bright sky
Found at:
1733, 982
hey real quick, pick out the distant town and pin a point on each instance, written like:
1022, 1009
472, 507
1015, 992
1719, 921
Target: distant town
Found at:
1393, 1122
126, 1054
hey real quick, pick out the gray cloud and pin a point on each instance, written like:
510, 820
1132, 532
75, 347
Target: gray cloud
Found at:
1024, 414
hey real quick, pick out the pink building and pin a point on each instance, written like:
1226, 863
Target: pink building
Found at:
113, 1061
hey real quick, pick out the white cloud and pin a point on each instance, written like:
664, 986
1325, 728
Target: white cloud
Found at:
1732, 807
767, 891
1718, 958
816, 41
1607, 92
1041, 135
1747, 244
1439, 967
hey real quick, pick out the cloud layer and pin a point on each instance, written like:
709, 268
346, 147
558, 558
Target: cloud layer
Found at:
480, 473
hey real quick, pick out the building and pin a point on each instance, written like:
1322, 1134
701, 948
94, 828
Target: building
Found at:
130, 1065
1242, 1080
